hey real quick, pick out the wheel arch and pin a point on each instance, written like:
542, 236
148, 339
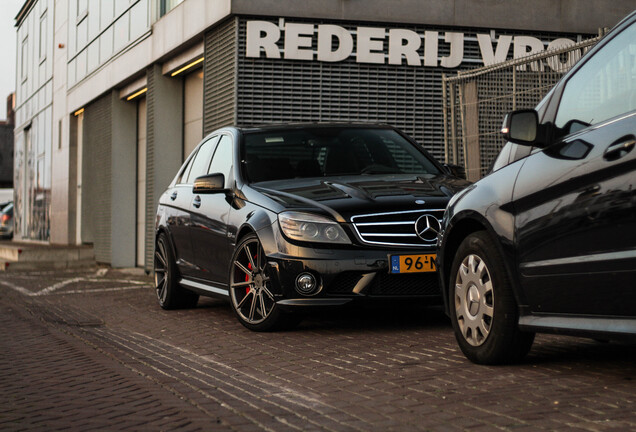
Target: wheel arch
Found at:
163, 230
244, 231
258, 221
464, 226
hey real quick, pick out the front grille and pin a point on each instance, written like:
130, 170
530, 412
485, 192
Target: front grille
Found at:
398, 228
344, 283
385, 284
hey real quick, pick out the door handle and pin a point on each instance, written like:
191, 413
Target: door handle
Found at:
173, 196
197, 201
619, 149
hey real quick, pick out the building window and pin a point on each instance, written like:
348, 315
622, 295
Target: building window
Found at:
81, 23
166, 6
59, 134
82, 9
42, 50
25, 58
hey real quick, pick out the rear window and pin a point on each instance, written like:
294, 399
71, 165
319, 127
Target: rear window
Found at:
324, 152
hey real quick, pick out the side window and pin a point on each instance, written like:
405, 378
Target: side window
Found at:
222, 160
602, 88
184, 174
201, 160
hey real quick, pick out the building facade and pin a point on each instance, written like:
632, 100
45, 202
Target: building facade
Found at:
6, 145
113, 95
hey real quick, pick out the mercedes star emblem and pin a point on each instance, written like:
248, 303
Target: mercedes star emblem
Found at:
427, 227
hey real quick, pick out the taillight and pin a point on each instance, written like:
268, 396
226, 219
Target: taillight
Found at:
5, 218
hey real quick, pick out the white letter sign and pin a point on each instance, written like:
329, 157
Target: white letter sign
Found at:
333, 43
522, 43
370, 45
262, 34
456, 41
298, 41
485, 46
397, 47
326, 33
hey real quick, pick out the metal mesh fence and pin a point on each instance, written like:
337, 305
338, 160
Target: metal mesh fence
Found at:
476, 101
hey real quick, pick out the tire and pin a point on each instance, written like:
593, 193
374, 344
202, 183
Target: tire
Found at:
252, 290
482, 306
169, 293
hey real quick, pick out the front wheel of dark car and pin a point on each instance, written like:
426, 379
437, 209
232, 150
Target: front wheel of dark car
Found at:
252, 292
483, 309
169, 293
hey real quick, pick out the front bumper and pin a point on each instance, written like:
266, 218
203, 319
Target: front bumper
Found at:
344, 273
349, 275
6, 232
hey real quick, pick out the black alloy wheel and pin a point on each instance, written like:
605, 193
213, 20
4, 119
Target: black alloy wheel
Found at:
169, 293
483, 309
252, 291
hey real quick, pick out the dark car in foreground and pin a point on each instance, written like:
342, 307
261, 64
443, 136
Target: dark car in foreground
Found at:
284, 218
547, 243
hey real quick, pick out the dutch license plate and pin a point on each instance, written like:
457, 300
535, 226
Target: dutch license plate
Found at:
412, 263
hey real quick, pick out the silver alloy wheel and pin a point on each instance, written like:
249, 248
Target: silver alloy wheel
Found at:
250, 286
474, 300
161, 271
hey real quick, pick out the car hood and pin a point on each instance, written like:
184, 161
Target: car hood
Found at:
343, 197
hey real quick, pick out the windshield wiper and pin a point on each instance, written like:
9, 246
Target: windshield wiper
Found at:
379, 169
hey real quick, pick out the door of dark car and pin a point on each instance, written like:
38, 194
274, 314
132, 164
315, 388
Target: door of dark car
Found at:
178, 222
575, 201
181, 197
210, 214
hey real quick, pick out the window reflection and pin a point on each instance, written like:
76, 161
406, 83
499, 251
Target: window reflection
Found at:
604, 87
166, 6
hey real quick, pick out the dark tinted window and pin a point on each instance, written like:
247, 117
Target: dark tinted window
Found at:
184, 173
317, 152
222, 160
201, 161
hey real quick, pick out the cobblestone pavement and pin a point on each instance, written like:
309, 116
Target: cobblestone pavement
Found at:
93, 351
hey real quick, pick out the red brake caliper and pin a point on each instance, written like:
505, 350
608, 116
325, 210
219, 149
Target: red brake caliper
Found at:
247, 279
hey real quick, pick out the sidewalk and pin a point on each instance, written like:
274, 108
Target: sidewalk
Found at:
31, 256
92, 350
51, 379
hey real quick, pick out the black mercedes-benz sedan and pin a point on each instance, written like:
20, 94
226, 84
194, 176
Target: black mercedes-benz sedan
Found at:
283, 218
547, 243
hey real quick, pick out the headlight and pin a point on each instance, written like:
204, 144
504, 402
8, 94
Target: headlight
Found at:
311, 228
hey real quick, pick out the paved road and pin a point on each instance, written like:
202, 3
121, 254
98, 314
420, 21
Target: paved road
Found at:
93, 351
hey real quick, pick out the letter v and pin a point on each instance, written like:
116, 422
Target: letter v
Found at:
485, 46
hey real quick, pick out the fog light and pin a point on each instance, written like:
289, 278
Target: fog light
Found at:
306, 284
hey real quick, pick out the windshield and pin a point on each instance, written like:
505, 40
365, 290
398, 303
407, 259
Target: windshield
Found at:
330, 151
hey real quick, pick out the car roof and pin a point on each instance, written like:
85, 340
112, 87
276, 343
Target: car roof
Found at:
300, 126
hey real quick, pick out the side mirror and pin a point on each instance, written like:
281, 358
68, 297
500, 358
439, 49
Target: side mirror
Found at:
521, 127
210, 183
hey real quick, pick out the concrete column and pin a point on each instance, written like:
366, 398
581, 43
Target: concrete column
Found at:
63, 155
164, 142
124, 181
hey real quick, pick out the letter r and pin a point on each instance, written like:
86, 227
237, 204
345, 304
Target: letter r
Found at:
262, 34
